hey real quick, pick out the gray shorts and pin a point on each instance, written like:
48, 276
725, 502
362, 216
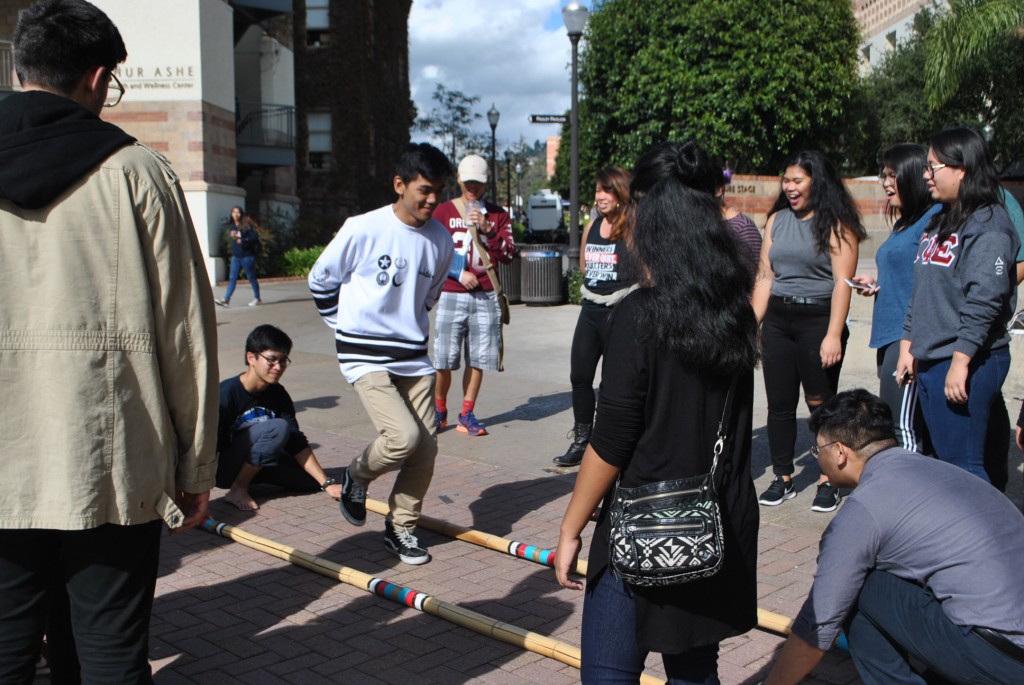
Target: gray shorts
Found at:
471, 321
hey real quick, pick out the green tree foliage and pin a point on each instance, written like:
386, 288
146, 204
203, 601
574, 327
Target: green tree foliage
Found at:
897, 110
449, 120
975, 53
751, 80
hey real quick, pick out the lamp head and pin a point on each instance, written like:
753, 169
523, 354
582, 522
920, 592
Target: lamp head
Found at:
575, 16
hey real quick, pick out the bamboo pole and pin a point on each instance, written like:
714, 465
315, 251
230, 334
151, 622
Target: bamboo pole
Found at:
766, 620
534, 642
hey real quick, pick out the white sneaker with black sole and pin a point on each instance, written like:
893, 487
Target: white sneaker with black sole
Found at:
405, 545
778, 492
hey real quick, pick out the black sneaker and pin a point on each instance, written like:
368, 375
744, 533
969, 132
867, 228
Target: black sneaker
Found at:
405, 545
779, 491
827, 498
353, 500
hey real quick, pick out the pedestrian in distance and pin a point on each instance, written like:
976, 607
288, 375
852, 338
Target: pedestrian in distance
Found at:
374, 285
810, 248
108, 351
676, 346
608, 276
245, 249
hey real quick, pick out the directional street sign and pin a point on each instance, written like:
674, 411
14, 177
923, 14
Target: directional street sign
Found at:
549, 118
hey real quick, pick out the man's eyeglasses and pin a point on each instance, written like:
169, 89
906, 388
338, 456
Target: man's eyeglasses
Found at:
115, 91
816, 449
930, 169
275, 361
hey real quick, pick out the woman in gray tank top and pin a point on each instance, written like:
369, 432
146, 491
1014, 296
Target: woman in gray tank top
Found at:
809, 248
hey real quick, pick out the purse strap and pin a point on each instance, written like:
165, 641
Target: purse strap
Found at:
726, 413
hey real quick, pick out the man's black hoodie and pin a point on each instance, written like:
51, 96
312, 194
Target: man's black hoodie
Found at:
48, 143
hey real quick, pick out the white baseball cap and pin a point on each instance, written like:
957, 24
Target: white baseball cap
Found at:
473, 168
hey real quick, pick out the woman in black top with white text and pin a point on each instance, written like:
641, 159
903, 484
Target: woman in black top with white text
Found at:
607, 277
674, 347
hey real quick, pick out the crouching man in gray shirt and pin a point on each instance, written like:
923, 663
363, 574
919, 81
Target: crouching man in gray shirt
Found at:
924, 559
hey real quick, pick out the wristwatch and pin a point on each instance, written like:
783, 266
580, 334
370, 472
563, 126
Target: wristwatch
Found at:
327, 483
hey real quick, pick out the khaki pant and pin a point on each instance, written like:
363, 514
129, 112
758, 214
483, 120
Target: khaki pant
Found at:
402, 411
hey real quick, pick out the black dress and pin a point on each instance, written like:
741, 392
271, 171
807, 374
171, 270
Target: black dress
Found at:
657, 420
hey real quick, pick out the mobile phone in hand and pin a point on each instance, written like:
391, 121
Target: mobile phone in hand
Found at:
857, 286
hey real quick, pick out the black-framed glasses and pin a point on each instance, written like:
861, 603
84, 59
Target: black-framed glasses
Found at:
115, 91
816, 449
275, 361
930, 169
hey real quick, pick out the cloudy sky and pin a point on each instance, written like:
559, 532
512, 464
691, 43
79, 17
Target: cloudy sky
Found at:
514, 54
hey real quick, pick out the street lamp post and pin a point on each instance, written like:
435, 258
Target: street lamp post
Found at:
508, 178
492, 119
519, 187
575, 17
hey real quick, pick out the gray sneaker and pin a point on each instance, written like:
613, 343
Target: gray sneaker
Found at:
405, 545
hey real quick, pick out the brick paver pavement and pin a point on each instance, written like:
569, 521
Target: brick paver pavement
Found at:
227, 614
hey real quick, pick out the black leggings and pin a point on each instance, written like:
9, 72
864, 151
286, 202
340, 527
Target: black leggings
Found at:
587, 347
792, 336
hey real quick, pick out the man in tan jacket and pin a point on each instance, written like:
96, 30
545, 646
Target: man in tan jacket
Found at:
108, 359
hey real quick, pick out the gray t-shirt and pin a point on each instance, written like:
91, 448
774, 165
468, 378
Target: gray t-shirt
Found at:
800, 269
929, 522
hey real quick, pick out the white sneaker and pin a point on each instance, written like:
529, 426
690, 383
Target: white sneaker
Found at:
222, 303
255, 303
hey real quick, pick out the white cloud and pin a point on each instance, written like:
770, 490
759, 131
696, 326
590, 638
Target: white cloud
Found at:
515, 55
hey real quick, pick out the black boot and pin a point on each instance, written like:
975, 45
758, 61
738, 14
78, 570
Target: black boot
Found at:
580, 438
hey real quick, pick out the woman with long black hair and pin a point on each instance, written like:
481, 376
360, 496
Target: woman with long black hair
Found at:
810, 247
910, 208
675, 347
955, 342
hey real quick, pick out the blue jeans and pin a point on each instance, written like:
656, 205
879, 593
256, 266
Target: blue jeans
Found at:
237, 264
263, 444
895, 618
958, 430
610, 654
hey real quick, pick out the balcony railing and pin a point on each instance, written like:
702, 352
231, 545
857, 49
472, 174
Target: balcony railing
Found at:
6, 65
265, 133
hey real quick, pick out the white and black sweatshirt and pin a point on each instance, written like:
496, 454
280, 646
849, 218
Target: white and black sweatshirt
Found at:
374, 284
965, 290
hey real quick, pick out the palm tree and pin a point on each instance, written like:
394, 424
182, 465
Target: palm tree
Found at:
969, 30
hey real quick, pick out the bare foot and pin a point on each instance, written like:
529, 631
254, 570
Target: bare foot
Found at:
241, 499
334, 490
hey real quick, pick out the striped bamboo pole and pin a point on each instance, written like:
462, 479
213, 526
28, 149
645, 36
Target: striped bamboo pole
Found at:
766, 620
479, 623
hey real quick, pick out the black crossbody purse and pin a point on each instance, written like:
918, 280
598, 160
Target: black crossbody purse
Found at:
669, 532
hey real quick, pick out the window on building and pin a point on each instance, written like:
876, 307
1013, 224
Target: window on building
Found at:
319, 126
890, 38
318, 22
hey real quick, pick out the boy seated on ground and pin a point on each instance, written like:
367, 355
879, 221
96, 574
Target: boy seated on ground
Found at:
258, 438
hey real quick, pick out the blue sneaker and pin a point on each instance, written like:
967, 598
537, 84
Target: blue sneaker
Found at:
442, 420
468, 424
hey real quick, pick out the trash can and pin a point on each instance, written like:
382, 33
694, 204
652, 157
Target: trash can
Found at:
511, 276
542, 273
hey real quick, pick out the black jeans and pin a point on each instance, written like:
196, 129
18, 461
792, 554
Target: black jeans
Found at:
108, 576
588, 343
792, 336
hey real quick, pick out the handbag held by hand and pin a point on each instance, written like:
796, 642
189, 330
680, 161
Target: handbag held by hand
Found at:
669, 532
